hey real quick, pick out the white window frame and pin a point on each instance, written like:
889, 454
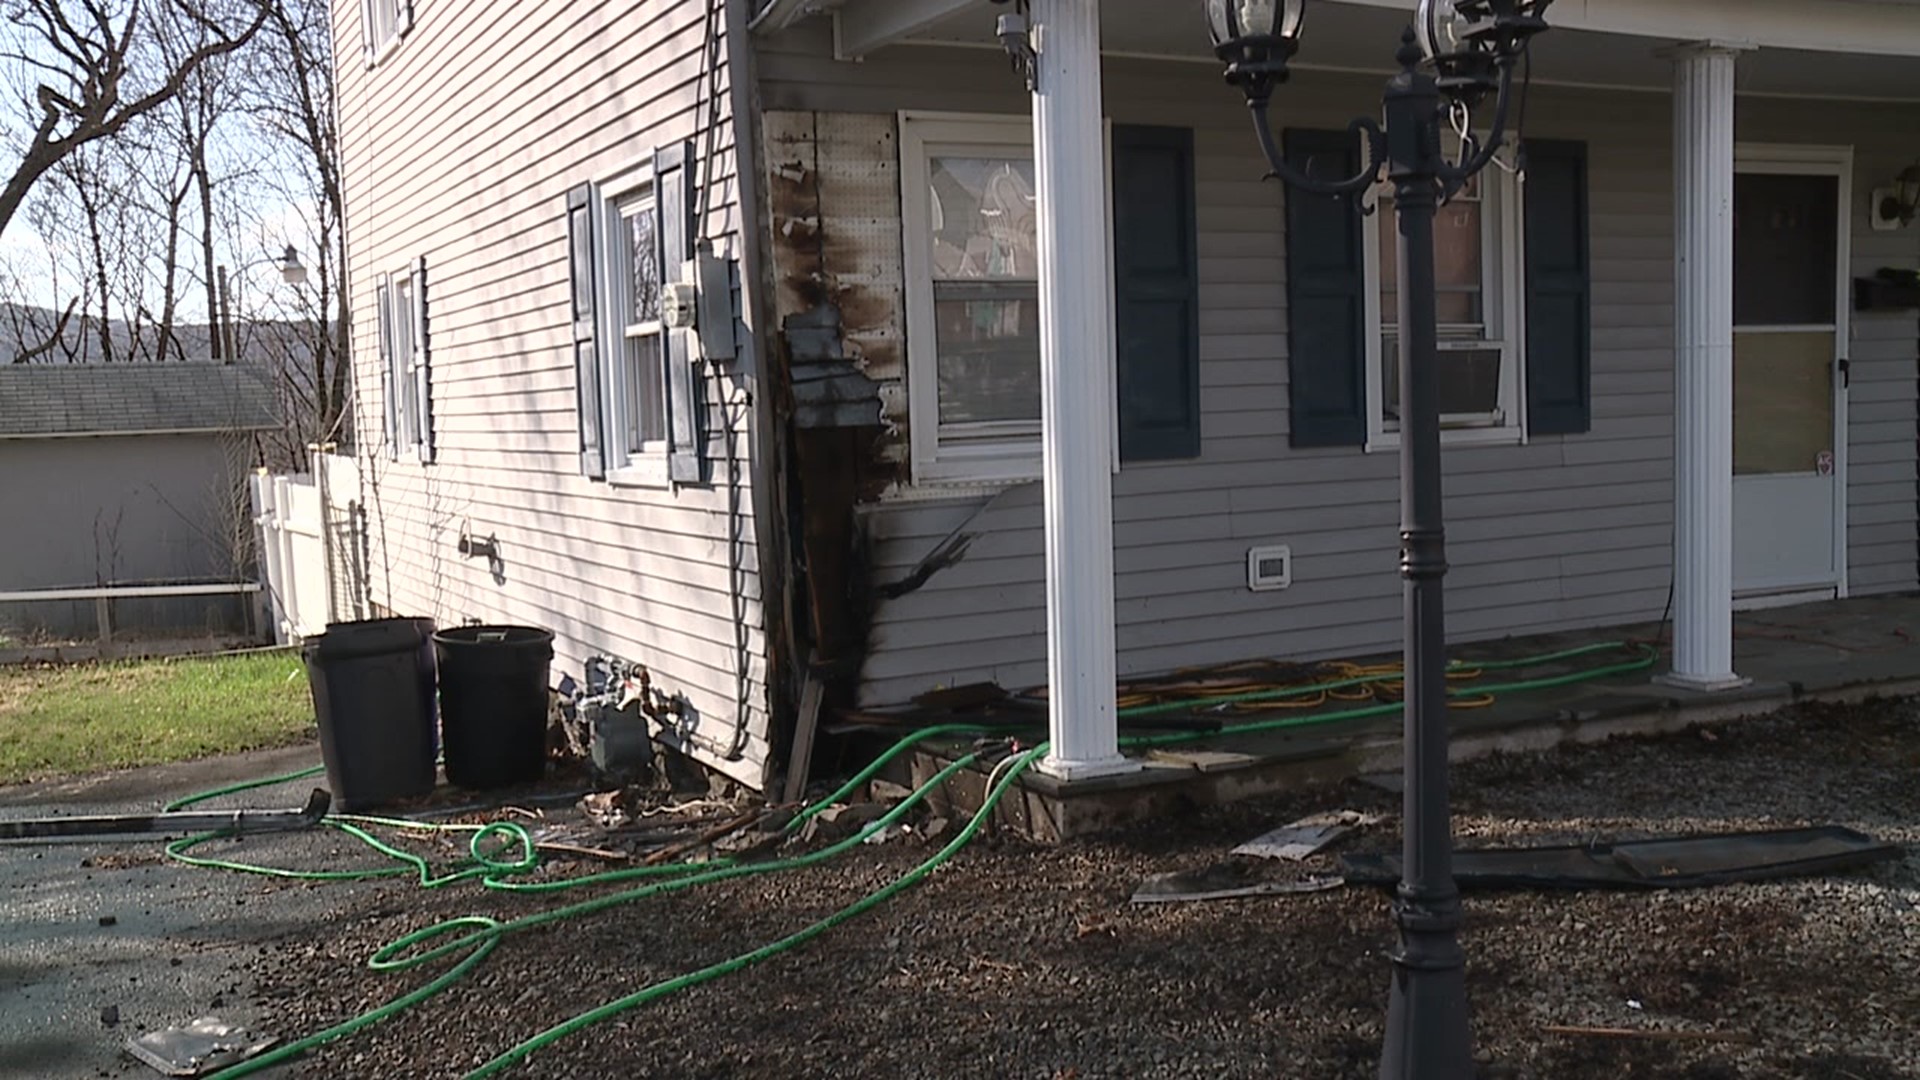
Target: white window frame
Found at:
940, 466
647, 467
406, 363
1503, 288
382, 24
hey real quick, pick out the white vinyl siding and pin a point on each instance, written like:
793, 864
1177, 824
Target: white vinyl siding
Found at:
461, 147
1559, 533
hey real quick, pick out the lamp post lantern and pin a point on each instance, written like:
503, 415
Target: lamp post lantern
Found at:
1455, 54
292, 271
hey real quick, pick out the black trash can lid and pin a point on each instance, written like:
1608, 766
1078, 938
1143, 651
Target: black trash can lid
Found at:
368, 637
493, 636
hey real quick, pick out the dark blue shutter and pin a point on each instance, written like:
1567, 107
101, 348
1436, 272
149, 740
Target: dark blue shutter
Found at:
583, 308
1559, 290
673, 181
389, 386
1157, 288
1326, 312
421, 366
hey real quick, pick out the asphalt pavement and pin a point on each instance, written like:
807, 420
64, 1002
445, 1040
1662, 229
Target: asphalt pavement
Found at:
100, 942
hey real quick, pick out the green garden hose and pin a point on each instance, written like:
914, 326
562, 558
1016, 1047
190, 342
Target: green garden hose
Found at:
483, 933
503, 850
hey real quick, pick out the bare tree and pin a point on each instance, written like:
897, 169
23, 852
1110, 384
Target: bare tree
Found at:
290, 100
149, 204
93, 84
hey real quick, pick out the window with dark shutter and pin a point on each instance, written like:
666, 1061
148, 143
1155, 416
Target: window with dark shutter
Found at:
1157, 285
1326, 350
1559, 290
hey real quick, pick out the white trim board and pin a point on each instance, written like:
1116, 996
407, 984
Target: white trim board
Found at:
1843, 26
1540, 78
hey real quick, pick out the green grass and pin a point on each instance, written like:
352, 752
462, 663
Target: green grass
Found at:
60, 721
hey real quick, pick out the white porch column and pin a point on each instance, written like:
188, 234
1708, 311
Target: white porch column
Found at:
1076, 390
1703, 362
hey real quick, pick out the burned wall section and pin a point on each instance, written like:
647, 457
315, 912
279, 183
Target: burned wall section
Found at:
833, 192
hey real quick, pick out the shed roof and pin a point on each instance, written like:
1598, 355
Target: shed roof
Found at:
47, 400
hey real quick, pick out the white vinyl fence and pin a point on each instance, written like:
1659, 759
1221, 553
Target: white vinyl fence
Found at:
312, 546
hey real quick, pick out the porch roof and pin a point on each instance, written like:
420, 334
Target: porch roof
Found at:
1612, 43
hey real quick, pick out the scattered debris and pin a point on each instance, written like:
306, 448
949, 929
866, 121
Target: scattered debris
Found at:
178, 822
750, 844
691, 805
1306, 836
881, 836
199, 1047
888, 792
577, 849
800, 762
607, 809
837, 822
1091, 927
1647, 1033
1222, 881
725, 828
1682, 862
1391, 782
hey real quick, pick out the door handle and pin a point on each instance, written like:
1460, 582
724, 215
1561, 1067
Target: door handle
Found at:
1846, 373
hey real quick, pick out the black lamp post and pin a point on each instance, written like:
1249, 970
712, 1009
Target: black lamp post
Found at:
1457, 53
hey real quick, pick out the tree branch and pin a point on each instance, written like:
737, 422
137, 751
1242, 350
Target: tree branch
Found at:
99, 68
28, 356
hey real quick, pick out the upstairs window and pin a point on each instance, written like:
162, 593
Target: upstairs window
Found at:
382, 24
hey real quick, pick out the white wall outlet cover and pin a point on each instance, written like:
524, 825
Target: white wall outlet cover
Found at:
1269, 568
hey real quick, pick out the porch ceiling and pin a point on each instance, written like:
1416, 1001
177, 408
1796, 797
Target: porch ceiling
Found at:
1360, 35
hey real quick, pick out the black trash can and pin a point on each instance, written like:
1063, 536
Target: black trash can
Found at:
372, 685
493, 704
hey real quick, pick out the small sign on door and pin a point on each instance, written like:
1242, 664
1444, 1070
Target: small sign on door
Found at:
1824, 463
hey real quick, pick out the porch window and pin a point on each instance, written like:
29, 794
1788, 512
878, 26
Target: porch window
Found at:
1480, 306
630, 261
973, 298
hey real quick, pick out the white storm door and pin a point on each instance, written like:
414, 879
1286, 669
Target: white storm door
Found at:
1789, 382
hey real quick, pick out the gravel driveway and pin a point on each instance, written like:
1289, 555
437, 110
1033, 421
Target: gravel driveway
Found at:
1018, 961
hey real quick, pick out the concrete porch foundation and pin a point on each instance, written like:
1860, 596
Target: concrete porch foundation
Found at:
1835, 651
